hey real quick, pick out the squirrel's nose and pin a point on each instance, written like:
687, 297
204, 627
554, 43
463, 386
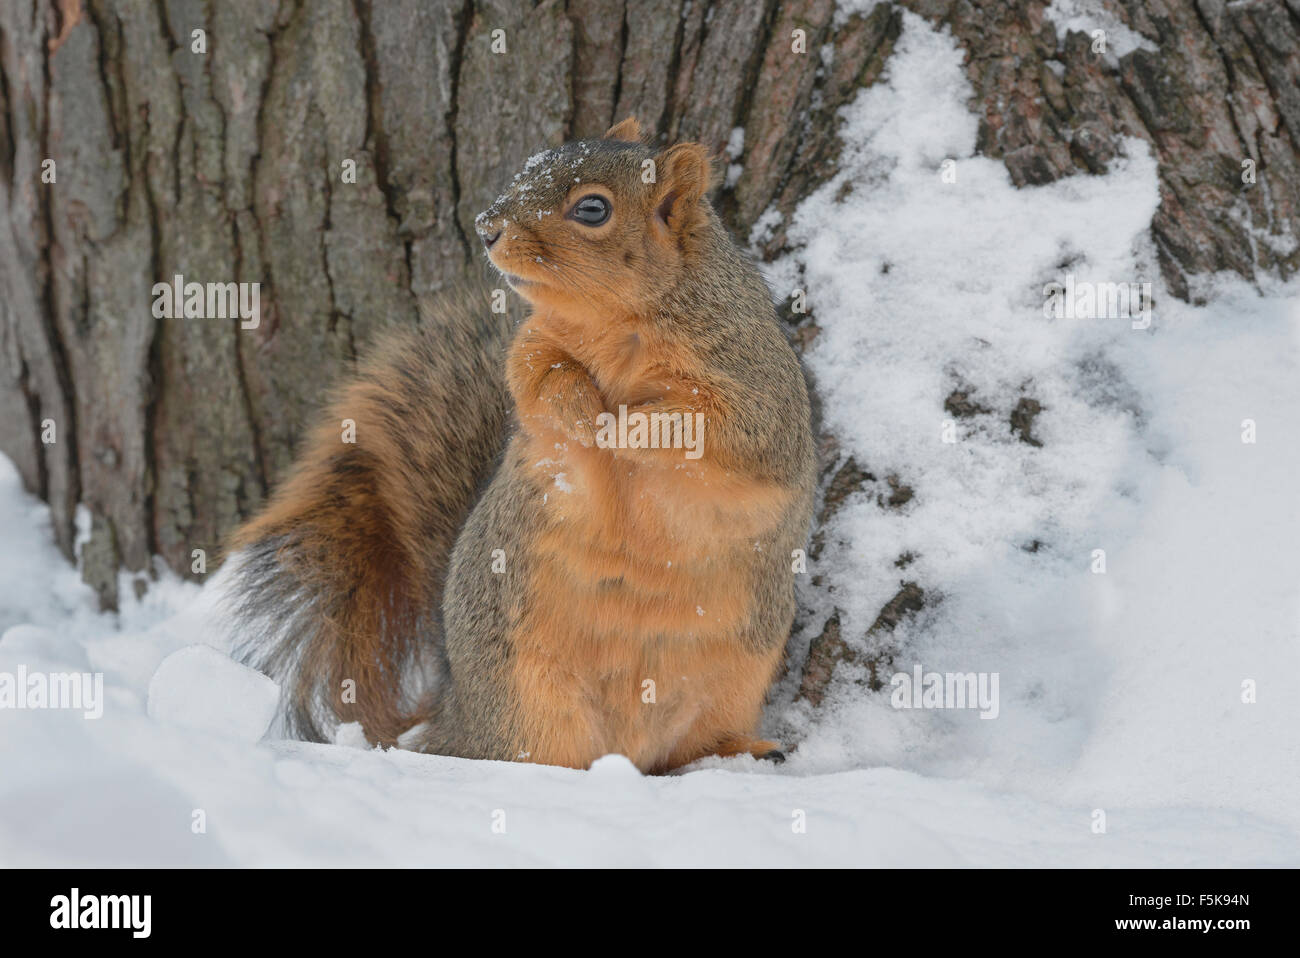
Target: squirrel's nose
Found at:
489, 236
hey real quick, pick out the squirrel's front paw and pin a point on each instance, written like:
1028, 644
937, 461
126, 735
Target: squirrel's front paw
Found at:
567, 401
575, 414
552, 390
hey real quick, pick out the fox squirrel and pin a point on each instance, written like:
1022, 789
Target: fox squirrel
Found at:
574, 538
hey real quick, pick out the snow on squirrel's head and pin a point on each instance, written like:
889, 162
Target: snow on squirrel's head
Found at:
599, 223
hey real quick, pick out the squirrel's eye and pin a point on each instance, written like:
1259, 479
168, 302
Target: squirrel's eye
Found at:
591, 210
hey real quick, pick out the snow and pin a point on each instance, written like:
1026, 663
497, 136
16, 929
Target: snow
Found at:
352, 735
734, 150
202, 688
1119, 694
849, 8
1122, 688
1088, 16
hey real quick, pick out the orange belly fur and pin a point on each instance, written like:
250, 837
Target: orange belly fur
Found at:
632, 583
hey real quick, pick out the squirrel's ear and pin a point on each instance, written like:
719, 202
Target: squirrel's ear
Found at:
629, 131
684, 175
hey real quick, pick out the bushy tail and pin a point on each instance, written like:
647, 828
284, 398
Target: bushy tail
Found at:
335, 588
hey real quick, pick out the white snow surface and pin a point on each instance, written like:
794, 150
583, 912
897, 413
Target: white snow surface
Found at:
1121, 693
203, 688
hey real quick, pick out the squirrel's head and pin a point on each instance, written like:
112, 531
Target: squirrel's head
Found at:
605, 223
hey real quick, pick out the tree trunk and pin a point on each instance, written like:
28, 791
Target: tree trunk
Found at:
224, 162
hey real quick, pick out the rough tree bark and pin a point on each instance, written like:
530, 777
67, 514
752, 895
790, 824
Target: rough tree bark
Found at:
225, 165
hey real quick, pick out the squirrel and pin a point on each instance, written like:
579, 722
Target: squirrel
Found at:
557, 541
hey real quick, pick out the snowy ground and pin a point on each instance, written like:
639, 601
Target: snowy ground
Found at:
1120, 692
